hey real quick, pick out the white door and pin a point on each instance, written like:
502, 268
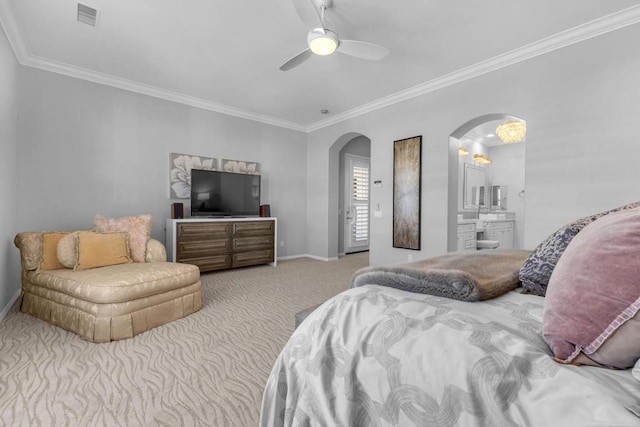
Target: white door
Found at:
356, 204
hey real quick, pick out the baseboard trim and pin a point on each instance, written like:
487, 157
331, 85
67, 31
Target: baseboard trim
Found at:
307, 256
12, 301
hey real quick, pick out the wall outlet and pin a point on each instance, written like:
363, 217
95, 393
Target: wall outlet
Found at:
410, 257
282, 243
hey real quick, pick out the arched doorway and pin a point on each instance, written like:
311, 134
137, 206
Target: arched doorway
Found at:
477, 136
354, 144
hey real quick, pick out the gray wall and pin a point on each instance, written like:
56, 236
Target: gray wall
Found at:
88, 149
581, 105
9, 260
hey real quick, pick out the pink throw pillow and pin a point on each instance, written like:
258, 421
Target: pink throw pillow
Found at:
595, 290
138, 227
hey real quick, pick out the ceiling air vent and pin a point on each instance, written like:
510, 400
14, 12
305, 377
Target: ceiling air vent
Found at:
87, 15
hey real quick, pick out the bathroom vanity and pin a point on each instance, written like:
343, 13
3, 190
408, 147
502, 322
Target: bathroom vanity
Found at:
467, 235
491, 226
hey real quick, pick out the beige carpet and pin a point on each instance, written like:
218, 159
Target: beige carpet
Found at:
208, 369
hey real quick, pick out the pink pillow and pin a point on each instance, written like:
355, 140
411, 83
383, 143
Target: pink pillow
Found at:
138, 227
593, 291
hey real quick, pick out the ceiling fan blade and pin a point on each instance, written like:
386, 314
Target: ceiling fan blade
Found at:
309, 15
297, 60
362, 50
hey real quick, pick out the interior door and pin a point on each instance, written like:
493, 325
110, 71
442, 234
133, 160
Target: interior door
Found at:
356, 204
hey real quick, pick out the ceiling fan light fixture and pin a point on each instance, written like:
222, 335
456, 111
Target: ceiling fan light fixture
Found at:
322, 42
511, 131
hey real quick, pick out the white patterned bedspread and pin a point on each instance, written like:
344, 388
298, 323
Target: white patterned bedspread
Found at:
378, 356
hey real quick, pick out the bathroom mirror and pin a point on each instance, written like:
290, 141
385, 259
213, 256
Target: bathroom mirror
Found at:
498, 197
474, 189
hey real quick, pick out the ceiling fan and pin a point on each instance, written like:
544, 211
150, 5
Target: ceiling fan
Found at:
323, 41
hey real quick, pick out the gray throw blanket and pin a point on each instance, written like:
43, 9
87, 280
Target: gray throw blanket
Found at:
466, 276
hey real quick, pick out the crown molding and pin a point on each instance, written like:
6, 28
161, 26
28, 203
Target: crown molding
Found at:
11, 29
565, 38
25, 58
141, 88
597, 27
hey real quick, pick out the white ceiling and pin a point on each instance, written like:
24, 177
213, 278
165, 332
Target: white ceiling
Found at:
224, 55
485, 133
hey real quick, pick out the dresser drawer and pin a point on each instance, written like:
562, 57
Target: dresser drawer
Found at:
253, 228
203, 230
244, 259
252, 243
202, 248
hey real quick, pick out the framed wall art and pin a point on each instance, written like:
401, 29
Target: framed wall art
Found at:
240, 166
180, 166
407, 180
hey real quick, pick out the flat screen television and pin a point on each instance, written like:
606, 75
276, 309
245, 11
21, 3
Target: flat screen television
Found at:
216, 193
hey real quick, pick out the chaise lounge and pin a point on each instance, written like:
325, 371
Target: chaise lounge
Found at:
104, 303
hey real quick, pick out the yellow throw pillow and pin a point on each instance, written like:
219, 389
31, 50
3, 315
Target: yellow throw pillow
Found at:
50, 241
101, 249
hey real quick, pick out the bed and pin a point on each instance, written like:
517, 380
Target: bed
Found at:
385, 353
379, 356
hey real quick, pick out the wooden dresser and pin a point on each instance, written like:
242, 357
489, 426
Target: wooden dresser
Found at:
217, 244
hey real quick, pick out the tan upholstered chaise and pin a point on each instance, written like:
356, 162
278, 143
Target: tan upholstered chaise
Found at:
108, 303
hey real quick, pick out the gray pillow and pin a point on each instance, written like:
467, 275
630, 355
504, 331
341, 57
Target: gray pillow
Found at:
536, 270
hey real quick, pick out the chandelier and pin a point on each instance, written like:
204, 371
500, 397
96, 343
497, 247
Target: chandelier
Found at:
463, 151
512, 131
481, 158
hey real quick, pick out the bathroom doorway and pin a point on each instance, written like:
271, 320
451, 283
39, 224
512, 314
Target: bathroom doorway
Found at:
476, 146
